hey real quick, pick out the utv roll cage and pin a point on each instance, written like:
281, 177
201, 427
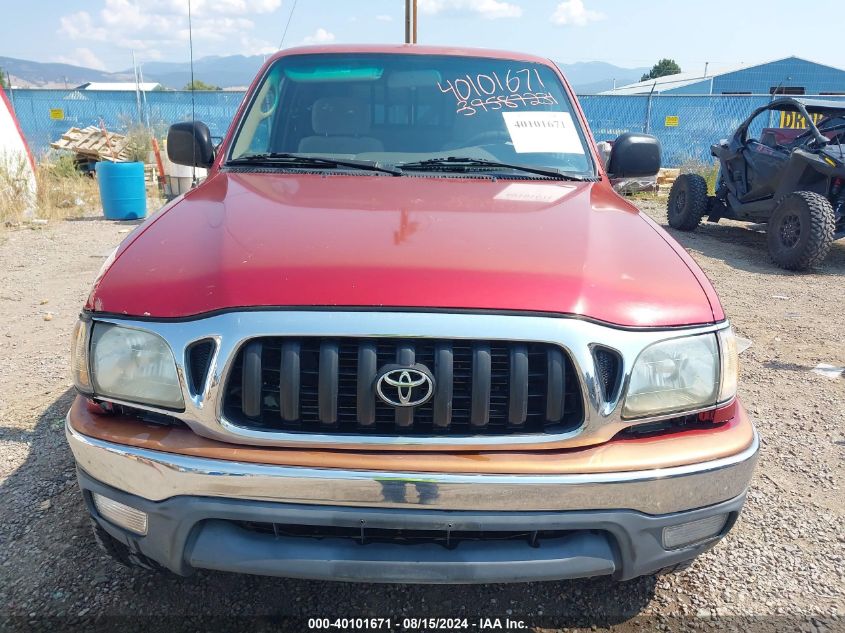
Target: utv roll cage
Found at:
806, 107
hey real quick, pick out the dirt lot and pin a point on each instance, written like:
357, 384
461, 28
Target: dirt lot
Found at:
786, 555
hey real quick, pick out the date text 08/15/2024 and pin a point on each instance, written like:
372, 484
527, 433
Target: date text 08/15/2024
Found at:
417, 624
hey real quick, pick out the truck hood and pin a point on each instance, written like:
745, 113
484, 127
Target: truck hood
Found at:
274, 239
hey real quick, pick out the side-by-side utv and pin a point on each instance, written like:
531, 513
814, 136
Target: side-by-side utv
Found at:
791, 179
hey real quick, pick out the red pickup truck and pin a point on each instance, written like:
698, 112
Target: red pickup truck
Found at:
406, 331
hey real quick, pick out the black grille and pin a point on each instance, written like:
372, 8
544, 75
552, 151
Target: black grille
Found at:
609, 366
199, 361
324, 385
364, 534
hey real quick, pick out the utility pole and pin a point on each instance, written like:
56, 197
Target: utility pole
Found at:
410, 21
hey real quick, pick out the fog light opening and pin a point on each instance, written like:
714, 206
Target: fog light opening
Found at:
693, 532
121, 514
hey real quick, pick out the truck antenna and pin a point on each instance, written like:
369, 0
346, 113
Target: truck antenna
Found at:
193, 88
290, 17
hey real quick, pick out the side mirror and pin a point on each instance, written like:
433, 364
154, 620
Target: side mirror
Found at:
634, 156
189, 143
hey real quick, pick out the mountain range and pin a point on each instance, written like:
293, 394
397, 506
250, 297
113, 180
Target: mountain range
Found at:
233, 71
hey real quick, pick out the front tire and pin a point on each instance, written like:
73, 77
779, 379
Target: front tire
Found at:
687, 202
800, 231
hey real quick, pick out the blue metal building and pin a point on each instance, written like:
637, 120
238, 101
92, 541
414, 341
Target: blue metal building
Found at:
792, 75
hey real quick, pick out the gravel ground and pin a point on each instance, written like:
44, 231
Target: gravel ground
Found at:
785, 556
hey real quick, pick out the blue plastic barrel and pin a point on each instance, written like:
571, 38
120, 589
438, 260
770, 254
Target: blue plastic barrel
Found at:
122, 190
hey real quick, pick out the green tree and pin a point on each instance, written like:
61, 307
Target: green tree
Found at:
4, 81
661, 69
200, 85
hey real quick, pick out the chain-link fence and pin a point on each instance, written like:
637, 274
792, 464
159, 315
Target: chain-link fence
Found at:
687, 125
45, 115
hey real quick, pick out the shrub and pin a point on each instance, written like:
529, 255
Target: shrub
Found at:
62, 191
708, 171
16, 200
138, 144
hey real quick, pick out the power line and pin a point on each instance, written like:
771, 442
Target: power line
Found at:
290, 17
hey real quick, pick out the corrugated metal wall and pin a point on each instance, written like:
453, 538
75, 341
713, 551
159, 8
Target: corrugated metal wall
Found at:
785, 73
790, 76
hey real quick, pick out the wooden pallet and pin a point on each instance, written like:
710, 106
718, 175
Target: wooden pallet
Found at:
666, 178
92, 143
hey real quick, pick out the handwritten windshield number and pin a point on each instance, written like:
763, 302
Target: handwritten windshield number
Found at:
488, 92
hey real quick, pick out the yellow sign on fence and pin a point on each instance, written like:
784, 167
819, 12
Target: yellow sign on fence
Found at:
57, 114
671, 121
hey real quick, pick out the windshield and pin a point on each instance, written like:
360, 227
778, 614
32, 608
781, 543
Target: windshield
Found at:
395, 109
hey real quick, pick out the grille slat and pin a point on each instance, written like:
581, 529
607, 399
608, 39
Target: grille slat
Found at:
444, 376
481, 384
555, 392
518, 397
289, 381
405, 356
252, 380
366, 378
327, 390
316, 384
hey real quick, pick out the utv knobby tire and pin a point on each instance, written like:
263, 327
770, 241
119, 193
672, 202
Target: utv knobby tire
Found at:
687, 202
120, 552
800, 231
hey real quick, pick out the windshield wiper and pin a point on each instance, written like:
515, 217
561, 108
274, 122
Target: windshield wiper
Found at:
295, 160
459, 163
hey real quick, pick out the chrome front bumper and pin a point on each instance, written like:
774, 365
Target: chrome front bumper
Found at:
157, 476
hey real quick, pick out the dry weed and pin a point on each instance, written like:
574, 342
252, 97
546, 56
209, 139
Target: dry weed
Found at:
708, 171
16, 200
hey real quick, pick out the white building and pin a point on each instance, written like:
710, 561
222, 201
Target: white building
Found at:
126, 86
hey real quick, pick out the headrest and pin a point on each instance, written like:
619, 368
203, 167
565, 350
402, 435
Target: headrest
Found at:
340, 116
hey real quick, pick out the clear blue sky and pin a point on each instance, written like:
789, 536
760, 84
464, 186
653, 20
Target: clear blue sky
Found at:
102, 33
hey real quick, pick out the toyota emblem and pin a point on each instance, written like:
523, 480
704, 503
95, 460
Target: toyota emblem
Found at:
401, 386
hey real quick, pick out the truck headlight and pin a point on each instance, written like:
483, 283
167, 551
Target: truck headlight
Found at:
133, 365
676, 375
730, 364
79, 367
